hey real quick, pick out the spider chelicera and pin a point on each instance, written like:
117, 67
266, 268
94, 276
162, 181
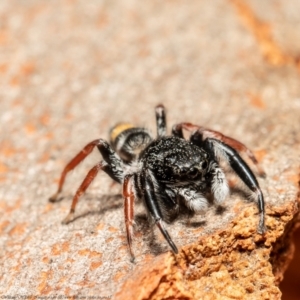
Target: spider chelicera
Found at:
167, 172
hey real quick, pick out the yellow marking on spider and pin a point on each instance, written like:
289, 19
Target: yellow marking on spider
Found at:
118, 129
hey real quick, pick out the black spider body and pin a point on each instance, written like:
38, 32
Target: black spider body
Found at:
174, 165
167, 172
174, 160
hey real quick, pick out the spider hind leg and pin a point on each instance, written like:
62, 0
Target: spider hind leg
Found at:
219, 149
205, 133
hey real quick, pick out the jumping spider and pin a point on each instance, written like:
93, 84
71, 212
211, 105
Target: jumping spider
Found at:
167, 172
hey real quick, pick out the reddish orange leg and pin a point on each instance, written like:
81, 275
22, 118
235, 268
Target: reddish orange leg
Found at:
72, 164
208, 133
84, 185
128, 195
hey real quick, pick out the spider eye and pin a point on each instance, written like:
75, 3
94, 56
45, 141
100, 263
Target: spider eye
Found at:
204, 165
193, 173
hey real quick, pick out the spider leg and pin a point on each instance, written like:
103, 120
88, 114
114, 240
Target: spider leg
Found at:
177, 130
84, 185
108, 155
218, 149
150, 198
219, 185
194, 199
161, 120
128, 194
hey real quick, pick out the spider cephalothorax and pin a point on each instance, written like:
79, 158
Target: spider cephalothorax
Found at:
167, 172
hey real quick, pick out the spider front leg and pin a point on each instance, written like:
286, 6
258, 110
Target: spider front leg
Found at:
107, 153
219, 149
219, 184
112, 166
196, 200
151, 202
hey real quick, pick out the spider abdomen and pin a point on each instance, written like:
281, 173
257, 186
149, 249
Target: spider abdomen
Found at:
128, 141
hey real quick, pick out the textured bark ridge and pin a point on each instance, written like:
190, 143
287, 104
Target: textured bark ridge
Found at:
232, 263
70, 70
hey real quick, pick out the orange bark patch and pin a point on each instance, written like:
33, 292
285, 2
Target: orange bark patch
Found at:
3, 37
59, 248
27, 68
45, 260
102, 20
70, 260
7, 149
44, 119
257, 101
260, 154
68, 291
109, 240
10, 208
113, 229
17, 268
84, 252
43, 287
3, 225
48, 136
89, 253
3, 168
262, 32
45, 157
65, 247
181, 233
86, 283
3, 68
18, 229
123, 247
148, 257
5, 208
280, 190
119, 275
69, 116
294, 179
30, 128
95, 254
14, 81
78, 235
48, 207
95, 264
55, 249
100, 226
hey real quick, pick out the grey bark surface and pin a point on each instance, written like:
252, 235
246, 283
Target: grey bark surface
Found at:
70, 70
